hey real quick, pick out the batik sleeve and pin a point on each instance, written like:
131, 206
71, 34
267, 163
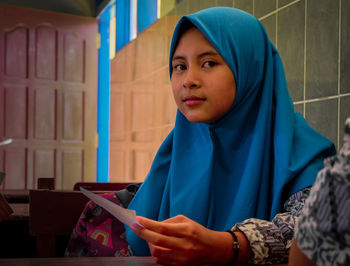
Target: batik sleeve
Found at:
325, 220
270, 241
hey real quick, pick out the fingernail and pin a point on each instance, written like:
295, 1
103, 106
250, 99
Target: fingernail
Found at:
137, 226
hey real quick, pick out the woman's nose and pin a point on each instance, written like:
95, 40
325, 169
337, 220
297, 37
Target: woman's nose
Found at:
191, 79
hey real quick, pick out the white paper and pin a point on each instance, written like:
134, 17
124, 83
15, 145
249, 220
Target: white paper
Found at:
5, 142
126, 216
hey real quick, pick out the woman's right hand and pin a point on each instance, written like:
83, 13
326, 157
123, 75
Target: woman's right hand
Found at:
180, 240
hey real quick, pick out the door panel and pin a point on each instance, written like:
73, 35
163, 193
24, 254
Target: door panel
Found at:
16, 112
46, 53
15, 164
45, 114
16, 52
73, 110
48, 95
74, 57
44, 163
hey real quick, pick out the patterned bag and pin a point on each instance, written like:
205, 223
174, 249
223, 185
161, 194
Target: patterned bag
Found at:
98, 234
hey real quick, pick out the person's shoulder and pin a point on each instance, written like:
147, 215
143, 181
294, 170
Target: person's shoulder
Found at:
332, 188
325, 219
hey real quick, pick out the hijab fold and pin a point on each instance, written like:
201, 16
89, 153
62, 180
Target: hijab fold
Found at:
248, 162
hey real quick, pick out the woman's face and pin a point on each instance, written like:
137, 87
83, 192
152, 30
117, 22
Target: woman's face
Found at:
203, 85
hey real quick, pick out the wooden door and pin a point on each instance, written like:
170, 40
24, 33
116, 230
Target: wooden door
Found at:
143, 110
48, 90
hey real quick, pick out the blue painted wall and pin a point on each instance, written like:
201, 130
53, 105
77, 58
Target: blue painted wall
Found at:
103, 97
146, 14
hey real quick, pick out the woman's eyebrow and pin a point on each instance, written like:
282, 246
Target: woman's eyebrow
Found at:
213, 53
180, 57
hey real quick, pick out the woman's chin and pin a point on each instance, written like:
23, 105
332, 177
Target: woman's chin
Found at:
196, 119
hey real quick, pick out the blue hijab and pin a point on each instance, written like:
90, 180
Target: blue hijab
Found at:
248, 162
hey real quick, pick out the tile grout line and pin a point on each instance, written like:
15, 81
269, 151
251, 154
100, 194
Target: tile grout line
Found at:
323, 98
305, 36
277, 9
339, 55
276, 27
254, 8
288, 5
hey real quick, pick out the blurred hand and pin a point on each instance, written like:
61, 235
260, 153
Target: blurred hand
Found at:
297, 257
180, 240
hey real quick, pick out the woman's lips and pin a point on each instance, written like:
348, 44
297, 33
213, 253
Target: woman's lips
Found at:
193, 100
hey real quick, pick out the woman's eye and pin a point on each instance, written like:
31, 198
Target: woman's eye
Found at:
209, 64
179, 67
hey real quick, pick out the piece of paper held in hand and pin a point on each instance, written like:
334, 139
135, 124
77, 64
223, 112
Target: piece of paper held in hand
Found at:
5, 142
126, 216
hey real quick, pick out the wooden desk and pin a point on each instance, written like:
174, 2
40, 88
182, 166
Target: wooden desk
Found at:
16, 241
20, 211
16, 195
97, 261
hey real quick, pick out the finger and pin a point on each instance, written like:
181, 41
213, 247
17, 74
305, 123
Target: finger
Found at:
165, 256
161, 240
171, 227
177, 219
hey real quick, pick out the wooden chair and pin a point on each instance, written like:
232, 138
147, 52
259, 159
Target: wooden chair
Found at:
94, 186
46, 183
53, 214
5, 208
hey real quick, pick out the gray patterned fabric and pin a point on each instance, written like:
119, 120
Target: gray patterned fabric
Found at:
270, 241
323, 229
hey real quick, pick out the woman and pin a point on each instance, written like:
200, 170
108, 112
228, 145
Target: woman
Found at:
237, 153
